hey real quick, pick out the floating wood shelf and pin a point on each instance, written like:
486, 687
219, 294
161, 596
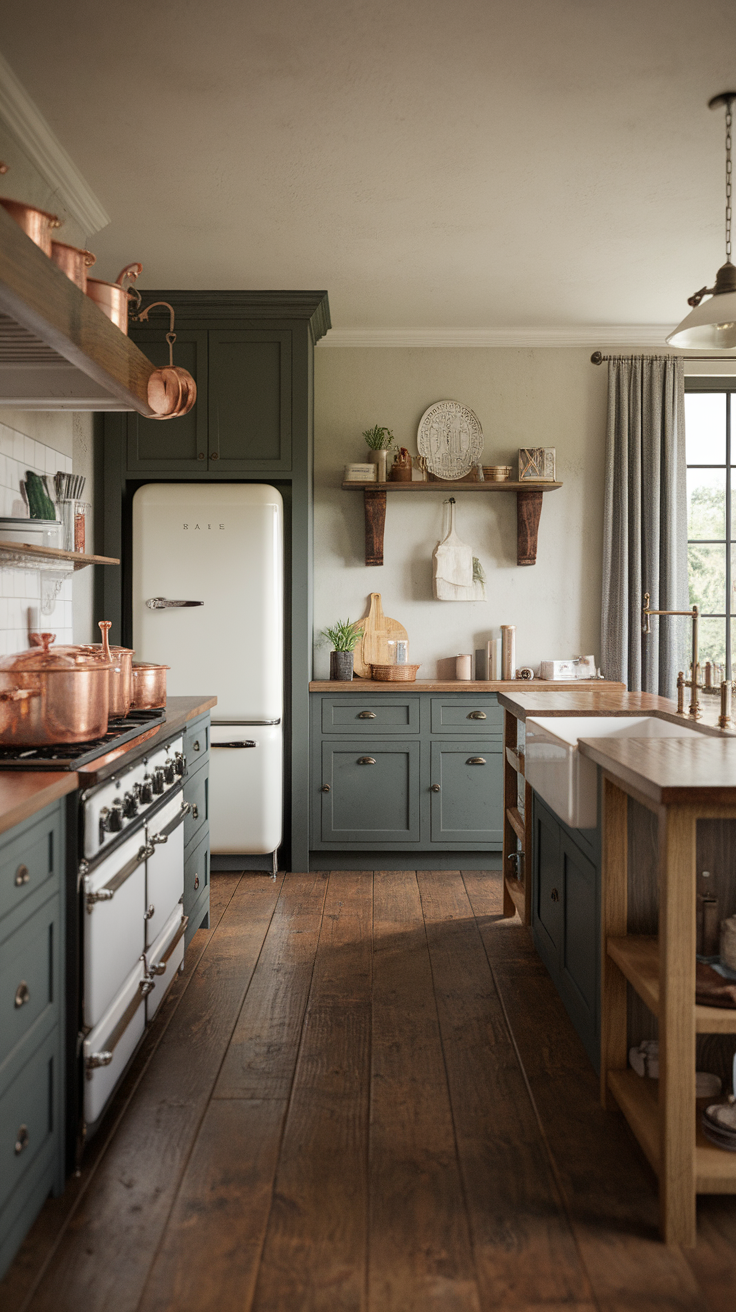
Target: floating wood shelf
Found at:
25, 555
528, 511
57, 349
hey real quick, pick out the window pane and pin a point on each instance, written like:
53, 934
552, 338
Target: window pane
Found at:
732, 400
705, 428
711, 642
707, 574
706, 503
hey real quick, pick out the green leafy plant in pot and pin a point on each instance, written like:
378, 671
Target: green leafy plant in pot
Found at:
380, 441
344, 635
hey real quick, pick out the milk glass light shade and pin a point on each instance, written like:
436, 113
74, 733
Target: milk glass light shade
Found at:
710, 326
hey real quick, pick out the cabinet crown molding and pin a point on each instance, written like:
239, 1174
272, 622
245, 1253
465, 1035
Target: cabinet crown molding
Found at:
240, 305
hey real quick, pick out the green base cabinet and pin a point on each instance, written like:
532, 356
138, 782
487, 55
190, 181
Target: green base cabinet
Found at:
197, 826
566, 917
406, 772
32, 964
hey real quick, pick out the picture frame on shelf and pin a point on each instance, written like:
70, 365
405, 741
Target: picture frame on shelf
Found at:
538, 464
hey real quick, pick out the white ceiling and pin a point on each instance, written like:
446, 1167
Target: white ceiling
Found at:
452, 163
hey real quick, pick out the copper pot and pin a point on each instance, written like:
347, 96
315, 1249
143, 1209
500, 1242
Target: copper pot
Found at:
120, 663
49, 697
73, 261
171, 392
36, 224
113, 298
149, 686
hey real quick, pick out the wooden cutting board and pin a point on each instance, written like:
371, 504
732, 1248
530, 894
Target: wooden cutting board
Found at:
372, 649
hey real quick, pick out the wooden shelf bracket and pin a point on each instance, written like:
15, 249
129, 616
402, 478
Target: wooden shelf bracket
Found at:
375, 522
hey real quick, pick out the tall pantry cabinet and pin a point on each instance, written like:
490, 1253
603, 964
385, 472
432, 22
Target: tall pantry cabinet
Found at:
252, 355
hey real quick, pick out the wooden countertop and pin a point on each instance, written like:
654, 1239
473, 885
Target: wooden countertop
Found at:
179, 710
579, 699
455, 685
25, 792
695, 770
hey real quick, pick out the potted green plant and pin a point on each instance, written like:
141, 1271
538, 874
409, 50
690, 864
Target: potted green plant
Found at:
343, 635
380, 441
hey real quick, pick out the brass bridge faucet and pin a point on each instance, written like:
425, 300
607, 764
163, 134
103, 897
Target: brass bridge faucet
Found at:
693, 682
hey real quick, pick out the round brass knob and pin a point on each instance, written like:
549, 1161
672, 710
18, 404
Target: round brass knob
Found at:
214, 455
200, 455
555, 895
196, 746
434, 788
196, 882
22, 876
22, 994
325, 788
22, 1140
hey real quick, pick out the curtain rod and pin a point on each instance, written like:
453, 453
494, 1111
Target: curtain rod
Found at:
598, 358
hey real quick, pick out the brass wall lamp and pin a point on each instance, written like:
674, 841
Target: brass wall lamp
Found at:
693, 682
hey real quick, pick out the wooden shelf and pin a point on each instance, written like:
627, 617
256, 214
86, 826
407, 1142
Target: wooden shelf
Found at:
25, 555
637, 1096
516, 760
515, 819
57, 349
528, 510
517, 894
637, 957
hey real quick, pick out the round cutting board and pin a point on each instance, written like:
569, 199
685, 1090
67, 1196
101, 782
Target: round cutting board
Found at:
450, 438
372, 649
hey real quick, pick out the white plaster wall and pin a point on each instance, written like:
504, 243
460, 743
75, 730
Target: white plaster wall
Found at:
543, 397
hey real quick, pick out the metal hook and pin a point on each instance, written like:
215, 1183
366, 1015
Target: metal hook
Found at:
171, 335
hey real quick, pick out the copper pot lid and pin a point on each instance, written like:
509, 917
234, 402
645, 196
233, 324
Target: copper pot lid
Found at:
39, 659
146, 665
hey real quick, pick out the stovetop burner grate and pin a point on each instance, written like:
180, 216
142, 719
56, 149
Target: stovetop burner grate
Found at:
70, 756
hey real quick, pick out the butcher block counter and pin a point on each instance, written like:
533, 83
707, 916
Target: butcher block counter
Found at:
23, 793
457, 685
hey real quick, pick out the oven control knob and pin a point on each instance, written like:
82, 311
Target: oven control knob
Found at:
111, 818
180, 764
145, 793
130, 806
169, 774
158, 780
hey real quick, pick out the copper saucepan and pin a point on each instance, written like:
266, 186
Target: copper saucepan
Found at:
113, 298
120, 662
36, 224
149, 686
52, 697
74, 261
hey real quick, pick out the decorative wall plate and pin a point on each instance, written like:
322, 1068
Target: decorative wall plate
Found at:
450, 438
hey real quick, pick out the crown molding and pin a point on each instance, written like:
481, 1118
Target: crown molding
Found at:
47, 153
593, 335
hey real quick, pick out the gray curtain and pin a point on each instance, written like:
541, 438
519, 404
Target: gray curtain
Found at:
645, 523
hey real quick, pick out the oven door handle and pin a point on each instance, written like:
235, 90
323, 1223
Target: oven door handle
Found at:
168, 829
105, 1055
108, 890
245, 742
159, 967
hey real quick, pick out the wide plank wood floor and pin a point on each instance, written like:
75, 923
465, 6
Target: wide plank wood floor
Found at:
364, 1095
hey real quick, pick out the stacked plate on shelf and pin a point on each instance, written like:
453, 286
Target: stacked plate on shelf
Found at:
719, 1124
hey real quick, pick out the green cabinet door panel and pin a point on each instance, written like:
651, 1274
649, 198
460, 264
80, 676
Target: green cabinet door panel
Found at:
465, 713
196, 878
29, 1002
249, 400
27, 1115
580, 938
171, 445
466, 791
370, 715
196, 793
30, 861
370, 793
548, 883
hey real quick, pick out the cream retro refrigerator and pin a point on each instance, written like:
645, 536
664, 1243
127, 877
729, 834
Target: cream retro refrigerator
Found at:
208, 602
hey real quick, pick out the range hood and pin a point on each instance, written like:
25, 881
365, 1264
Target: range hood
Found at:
58, 351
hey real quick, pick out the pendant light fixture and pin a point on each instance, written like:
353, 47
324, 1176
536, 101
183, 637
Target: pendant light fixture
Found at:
712, 324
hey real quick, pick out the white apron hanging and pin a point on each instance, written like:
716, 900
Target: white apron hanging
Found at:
453, 568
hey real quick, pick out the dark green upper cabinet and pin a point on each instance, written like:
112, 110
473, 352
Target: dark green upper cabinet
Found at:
249, 400
172, 445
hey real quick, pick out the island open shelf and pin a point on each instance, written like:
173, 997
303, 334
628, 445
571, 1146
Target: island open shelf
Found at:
528, 510
637, 957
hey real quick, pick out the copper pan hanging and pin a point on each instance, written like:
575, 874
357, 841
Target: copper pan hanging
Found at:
171, 391
113, 298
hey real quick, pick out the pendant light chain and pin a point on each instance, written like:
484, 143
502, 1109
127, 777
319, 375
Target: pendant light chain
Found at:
728, 179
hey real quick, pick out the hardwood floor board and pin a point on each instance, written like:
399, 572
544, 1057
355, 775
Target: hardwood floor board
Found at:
343, 967
609, 1190
420, 1255
485, 891
112, 1238
211, 1249
713, 1262
261, 1057
512, 940
524, 1248
314, 1255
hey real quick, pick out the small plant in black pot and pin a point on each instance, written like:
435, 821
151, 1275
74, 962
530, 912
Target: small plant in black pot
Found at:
343, 635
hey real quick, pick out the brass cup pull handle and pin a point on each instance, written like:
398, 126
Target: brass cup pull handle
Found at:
366, 760
22, 1141
325, 788
476, 760
22, 876
22, 994
477, 715
434, 788
367, 715
555, 895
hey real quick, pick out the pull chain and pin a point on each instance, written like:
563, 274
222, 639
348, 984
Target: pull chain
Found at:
728, 179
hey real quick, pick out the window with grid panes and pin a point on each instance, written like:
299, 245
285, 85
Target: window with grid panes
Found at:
710, 429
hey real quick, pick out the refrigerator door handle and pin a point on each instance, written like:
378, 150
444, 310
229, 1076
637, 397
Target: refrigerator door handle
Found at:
161, 603
248, 742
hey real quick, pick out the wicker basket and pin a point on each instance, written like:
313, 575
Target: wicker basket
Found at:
394, 673
497, 473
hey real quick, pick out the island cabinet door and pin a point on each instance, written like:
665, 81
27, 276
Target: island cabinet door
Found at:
466, 792
175, 446
249, 401
549, 887
370, 792
581, 933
